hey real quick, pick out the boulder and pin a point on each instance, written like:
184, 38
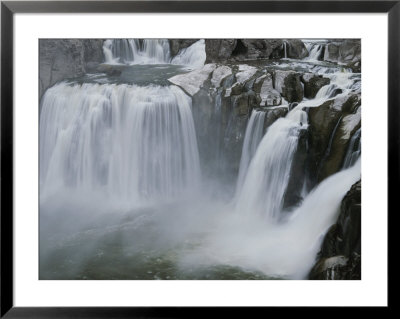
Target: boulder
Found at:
332, 52
350, 51
288, 84
295, 49
260, 48
313, 83
245, 73
192, 82
219, 74
347, 52
269, 96
219, 50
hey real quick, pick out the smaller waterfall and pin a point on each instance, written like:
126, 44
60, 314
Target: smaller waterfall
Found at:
354, 150
285, 49
193, 56
252, 138
341, 83
316, 52
268, 174
135, 51
152, 51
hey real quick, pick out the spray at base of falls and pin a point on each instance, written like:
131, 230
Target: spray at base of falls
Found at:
152, 51
285, 250
133, 143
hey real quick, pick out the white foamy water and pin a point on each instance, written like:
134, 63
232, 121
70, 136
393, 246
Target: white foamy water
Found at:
152, 51
268, 174
253, 136
131, 142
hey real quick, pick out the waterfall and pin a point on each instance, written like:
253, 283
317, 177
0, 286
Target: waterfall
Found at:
193, 56
131, 142
252, 138
135, 51
285, 49
353, 150
287, 249
268, 173
152, 51
315, 52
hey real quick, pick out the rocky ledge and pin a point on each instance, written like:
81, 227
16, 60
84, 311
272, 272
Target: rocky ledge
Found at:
60, 59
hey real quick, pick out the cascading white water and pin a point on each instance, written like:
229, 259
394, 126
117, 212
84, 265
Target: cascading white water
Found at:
343, 82
252, 138
287, 249
135, 51
131, 142
193, 56
285, 49
315, 52
152, 51
268, 174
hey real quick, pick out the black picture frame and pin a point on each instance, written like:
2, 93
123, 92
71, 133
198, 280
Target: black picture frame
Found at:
9, 8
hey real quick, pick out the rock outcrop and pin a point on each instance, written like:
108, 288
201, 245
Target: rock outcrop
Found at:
225, 50
347, 52
312, 84
340, 255
295, 49
60, 59
288, 84
331, 126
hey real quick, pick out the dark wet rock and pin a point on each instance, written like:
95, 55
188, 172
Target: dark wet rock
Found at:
175, 45
260, 48
298, 173
243, 103
60, 59
331, 127
272, 114
288, 84
347, 51
237, 88
340, 255
219, 50
323, 120
295, 49
223, 50
268, 95
93, 50
335, 92
312, 84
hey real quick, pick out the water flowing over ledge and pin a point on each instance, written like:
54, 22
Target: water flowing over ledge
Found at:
152, 51
123, 152
131, 142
